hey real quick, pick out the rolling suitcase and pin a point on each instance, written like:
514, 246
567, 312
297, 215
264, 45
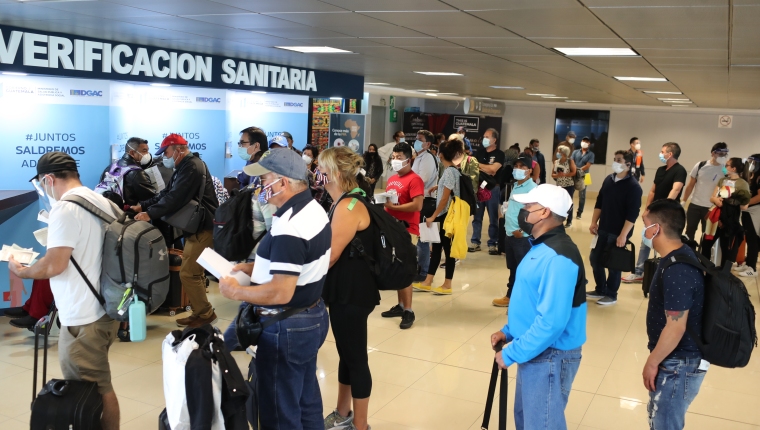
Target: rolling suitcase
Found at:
62, 404
176, 300
650, 266
504, 384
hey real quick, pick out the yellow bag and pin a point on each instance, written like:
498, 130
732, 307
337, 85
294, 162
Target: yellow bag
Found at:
587, 179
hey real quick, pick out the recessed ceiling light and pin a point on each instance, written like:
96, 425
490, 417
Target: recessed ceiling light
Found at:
540, 95
553, 97
506, 88
315, 49
680, 102
482, 98
668, 99
639, 78
659, 92
258, 92
160, 85
336, 98
431, 94
15, 74
439, 73
428, 91
375, 83
598, 52
448, 94
576, 101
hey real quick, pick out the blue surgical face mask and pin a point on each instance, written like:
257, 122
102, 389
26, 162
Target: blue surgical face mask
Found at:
401, 139
648, 241
418, 145
169, 162
243, 153
559, 155
486, 142
519, 174
663, 160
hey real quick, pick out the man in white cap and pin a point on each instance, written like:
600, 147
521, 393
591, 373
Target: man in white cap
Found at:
547, 313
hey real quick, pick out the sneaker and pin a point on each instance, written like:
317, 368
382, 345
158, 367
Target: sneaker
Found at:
749, 273
420, 287
443, 265
393, 312
407, 320
606, 301
24, 322
336, 421
493, 250
578, 216
203, 321
502, 302
593, 295
440, 291
568, 224
184, 322
736, 268
632, 279
16, 312
474, 248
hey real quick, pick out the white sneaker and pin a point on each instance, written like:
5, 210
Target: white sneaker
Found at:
749, 273
740, 268
632, 278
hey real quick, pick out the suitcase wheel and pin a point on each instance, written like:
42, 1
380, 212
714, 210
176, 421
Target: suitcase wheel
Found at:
172, 313
188, 308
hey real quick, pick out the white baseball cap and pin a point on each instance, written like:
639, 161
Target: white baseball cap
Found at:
549, 196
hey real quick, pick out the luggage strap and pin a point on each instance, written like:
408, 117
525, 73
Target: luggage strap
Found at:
503, 386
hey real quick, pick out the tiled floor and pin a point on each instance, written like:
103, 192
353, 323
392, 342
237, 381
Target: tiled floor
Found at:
435, 375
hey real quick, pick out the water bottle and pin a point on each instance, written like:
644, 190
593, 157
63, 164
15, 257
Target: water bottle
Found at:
137, 324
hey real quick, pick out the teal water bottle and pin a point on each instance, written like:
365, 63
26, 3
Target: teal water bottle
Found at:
137, 323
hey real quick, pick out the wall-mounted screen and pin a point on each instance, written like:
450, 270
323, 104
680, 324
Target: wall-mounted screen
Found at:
594, 124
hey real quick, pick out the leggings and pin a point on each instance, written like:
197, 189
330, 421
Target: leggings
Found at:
349, 327
445, 245
570, 190
750, 235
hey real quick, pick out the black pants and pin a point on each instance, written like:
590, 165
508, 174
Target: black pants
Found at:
570, 190
729, 244
349, 327
445, 246
753, 241
515, 249
695, 216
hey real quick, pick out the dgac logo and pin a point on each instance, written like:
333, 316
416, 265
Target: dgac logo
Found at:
84, 93
208, 100
291, 104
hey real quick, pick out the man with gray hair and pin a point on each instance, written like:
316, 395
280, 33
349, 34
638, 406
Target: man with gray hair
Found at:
291, 265
137, 185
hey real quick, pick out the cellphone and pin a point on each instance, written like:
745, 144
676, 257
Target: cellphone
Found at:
560, 170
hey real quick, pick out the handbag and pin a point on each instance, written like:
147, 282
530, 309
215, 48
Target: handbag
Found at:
249, 326
428, 208
189, 217
579, 180
622, 259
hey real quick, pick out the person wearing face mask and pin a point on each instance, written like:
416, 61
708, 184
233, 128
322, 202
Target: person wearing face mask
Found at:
516, 244
387, 151
703, 179
292, 260
462, 132
373, 165
187, 179
668, 184
637, 169
252, 140
410, 190
490, 160
583, 159
426, 166
751, 218
730, 196
539, 158
547, 314
563, 173
674, 370
569, 141
309, 156
136, 183
616, 210
289, 138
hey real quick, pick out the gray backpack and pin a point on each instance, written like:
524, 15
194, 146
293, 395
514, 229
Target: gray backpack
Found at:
135, 261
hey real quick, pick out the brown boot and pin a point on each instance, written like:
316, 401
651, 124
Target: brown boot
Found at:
202, 321
183, 322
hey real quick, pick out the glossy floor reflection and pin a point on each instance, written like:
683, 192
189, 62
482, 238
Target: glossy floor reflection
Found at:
435, 375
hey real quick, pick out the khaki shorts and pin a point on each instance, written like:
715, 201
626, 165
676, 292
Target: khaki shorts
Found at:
83, 352
415, 239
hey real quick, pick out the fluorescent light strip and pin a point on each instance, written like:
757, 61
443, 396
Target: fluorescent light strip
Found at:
668, 99
314, 49
506, 88
428, 91
448, 94
540, 95
15, 74
675, 93
680, 102
553, 97
638, 78
482, 98
258, 92
576, 101
439, 73
598, 52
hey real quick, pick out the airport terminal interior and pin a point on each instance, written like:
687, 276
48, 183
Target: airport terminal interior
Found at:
83, 76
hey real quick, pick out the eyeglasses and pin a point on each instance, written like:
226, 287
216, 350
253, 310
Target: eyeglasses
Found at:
243, 142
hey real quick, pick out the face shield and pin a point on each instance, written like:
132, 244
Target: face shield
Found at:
39, 186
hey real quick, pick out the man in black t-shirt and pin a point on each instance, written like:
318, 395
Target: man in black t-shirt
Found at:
491, 159
674, 370
668, 184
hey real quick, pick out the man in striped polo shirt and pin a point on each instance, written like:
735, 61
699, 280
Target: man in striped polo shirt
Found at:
291, 264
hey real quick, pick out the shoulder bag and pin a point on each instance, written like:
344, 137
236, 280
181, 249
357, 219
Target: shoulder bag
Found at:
189, 217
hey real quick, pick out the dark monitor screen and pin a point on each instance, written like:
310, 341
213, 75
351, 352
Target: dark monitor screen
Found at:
592, 123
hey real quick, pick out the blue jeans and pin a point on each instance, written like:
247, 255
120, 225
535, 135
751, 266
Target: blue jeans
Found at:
423, 258
543, 388
643, 257
676, 386
492, 205
286, 363
606, 284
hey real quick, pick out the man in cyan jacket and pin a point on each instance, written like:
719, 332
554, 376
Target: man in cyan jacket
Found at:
547, 317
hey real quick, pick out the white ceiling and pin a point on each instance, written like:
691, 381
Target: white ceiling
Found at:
708, 49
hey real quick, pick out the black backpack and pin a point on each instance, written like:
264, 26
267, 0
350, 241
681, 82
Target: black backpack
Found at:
728, 320
466, 192
233, 226
395, 258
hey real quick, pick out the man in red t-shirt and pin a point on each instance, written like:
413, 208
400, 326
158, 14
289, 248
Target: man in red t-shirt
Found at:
411, 192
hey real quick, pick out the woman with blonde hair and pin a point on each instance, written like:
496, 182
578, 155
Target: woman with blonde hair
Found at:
564, 174
350, 289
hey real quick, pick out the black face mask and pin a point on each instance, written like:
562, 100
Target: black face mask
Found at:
522, 220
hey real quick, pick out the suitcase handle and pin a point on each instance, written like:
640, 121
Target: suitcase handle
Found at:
40, 325
504, 383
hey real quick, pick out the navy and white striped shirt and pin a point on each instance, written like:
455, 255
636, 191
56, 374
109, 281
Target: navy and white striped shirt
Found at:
298, 244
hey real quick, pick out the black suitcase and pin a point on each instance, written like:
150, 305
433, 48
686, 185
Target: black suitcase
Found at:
650, 266
252, 404
504, 384
62, 404
176, 299
163, 421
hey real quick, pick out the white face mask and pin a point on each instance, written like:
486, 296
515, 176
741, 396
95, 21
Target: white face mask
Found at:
398, 164
637, 146
721, 160
571, 140
146, 159
584, 145
307, 159
618, 168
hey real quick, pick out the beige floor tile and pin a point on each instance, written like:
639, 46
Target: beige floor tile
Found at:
327, 359
727, 404
382, 394
628, 385
412, 345
19, 403
588, 378
148, 420
424, 410
455, 382
474, 356
15, 425
703, 422
615, 414
145, 385
378, 424
396, 369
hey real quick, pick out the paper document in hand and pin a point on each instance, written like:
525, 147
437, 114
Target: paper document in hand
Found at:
220, 267
430, 235
22, 255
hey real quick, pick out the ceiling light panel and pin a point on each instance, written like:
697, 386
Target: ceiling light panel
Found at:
598, 52
506, 88
315, 49
439, 73
659, 92
640, 78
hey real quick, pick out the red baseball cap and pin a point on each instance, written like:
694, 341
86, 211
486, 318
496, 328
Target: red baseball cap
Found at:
170, 140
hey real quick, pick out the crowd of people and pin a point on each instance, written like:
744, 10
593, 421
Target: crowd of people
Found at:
313, 210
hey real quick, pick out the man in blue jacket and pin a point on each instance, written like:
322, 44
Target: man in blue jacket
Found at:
547, 318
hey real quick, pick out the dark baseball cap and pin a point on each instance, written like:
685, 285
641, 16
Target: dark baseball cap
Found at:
525, 160
52, 162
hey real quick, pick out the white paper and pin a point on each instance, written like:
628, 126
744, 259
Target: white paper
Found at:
430, 235
594, 240
383, 197
43, 216
220, 267
41, 235
155, 176
23, 255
